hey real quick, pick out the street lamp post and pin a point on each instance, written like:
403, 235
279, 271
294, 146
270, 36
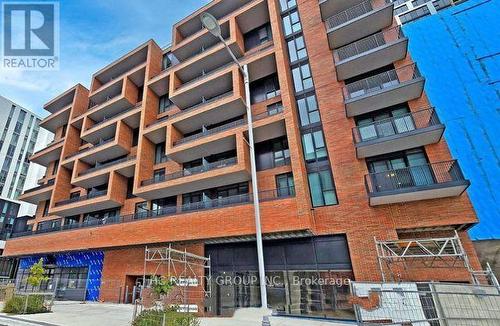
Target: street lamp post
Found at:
212, 25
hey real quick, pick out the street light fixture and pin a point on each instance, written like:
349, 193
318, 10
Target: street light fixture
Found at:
212, 25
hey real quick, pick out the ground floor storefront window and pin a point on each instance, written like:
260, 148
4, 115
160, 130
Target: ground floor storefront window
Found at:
307, 276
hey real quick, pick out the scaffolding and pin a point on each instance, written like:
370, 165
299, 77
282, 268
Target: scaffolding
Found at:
395, 256
190, 272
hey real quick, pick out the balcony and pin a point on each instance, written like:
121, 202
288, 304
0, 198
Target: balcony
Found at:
119, 68
218, 203
120, 95
370, 53
106, 128
99, 174
93, 201
356, 22
38, 194
102, 150
57, 119
61, 102
215, 174
398, 133
383, 90
429, 181
48, 154
329, 8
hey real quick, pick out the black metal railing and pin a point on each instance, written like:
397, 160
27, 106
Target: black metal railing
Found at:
108, 98
267, 195
45, 185
90, 195
107, 164
97, 144
396, 125
191, 171
203, 102
212, 131
52, 143
368, 43
381, 81
349, 14
112, 116
414, 177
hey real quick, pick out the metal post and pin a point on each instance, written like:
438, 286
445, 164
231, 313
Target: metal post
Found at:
255, 192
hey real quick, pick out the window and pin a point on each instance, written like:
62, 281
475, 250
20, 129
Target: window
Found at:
159, 175
63, 131
46, 208
75, 194
302, 78
291, 23
141, 210
159, 153
257, 36
314, 146
272, 153
287, 4
385, 123
284, 185
164, 103
322, 188
297, 48
308, 110
130, 188
166, 62
264, 88
135, 137
275, 108
56, 166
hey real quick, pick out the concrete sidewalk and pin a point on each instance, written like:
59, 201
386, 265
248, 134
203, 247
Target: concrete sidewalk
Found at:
66, 313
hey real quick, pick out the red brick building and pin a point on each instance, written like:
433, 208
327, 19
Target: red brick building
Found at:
348, 149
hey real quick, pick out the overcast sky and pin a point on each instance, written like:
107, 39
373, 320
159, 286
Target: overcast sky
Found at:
93, 34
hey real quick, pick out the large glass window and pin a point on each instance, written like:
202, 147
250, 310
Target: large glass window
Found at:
272, 153
164, 103
264, 88
287, 4
291, 23
257, 36
302, 78
297, 48
308, 110
322, 188
314, 146
284, 185
159, 152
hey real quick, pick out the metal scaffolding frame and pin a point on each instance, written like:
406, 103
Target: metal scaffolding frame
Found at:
182, 266
446, 252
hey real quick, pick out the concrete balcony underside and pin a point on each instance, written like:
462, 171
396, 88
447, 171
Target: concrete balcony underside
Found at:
376, 58
35, 196
388, 96
434, 191
360, 26
56, 120
107, 129
165, 229
101, 175
49, 154
399, 142
205, 180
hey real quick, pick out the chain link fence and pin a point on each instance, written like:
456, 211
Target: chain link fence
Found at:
422, 304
